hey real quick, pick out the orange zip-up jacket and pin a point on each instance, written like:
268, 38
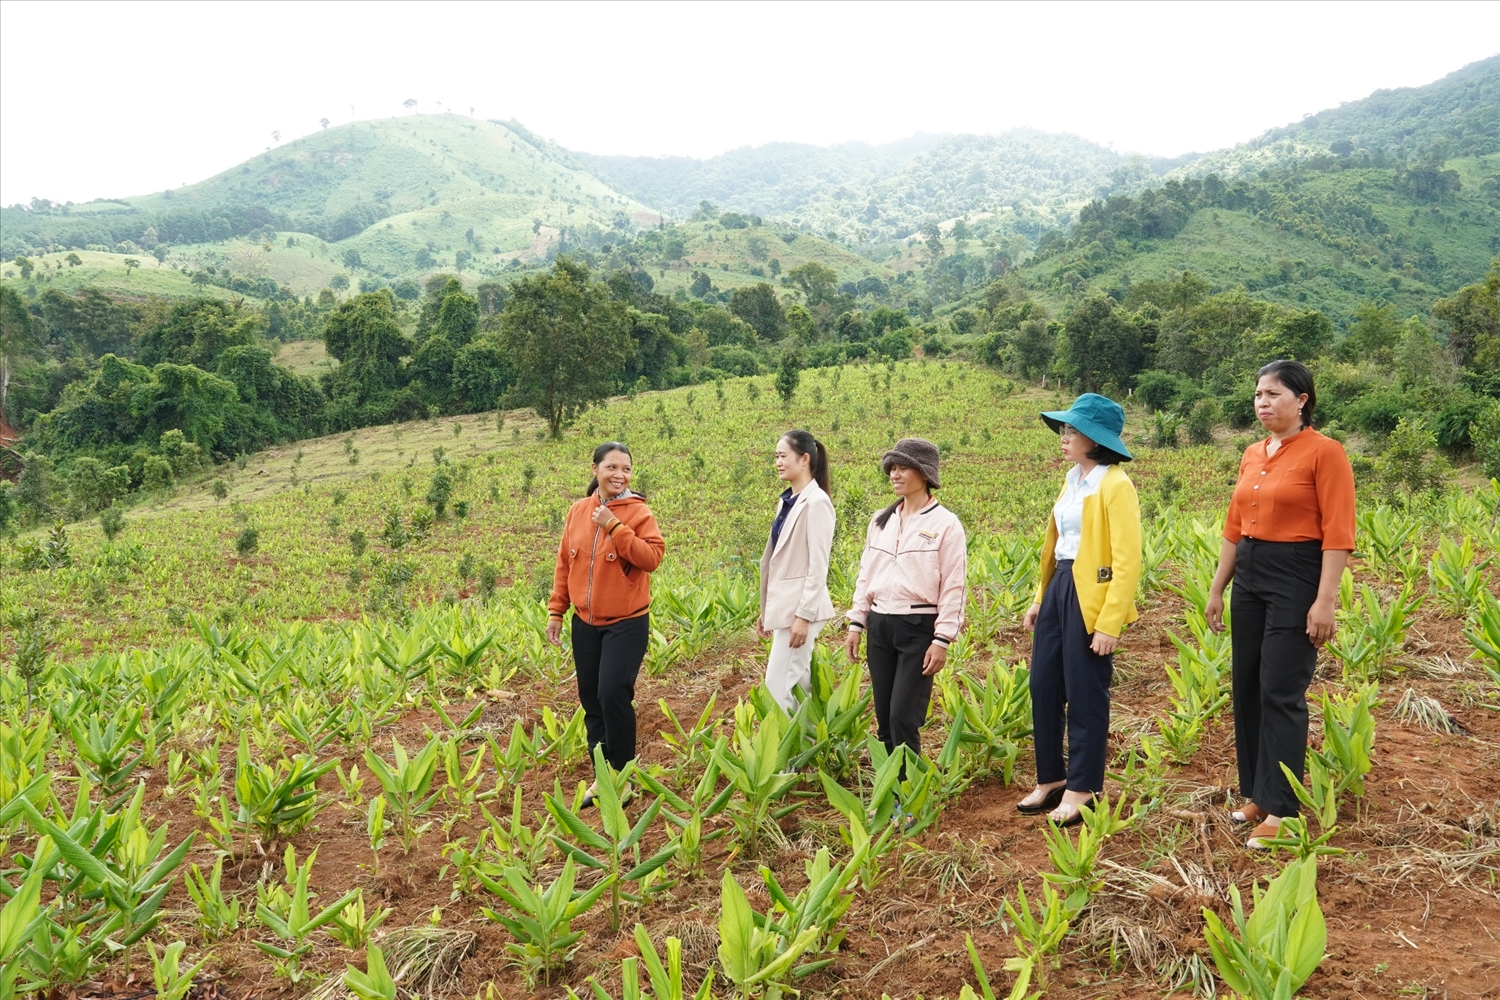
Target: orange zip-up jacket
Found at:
605, 576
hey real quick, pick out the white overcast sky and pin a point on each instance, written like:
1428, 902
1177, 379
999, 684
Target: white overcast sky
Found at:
115, 99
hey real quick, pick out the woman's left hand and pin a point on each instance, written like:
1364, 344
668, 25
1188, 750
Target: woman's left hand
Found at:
1103, 645
935, 660
603, 517
1321, 624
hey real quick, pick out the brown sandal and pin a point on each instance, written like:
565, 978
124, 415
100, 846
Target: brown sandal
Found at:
1249, 813
1260, 835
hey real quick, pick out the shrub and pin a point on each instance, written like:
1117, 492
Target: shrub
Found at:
111, 521
1157, 389
1201, 420
157, 475
1484, 432
247, 541
1163, 428
1410, 464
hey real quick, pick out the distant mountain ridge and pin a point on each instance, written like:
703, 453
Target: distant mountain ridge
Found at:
404, 196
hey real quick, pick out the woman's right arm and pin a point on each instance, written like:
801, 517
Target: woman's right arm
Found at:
557, 604
859, 613
1225, 573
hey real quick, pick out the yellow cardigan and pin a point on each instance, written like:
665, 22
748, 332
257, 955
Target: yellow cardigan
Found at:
1111, 540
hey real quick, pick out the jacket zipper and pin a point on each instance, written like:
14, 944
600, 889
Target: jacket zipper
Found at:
593, 554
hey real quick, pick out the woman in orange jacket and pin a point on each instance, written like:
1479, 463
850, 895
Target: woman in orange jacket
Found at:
610, 545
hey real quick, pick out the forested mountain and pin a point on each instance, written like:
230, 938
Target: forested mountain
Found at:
1456, 116
873, 196
774, 180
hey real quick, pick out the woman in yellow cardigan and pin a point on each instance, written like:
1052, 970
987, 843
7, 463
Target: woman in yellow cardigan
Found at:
1091, 562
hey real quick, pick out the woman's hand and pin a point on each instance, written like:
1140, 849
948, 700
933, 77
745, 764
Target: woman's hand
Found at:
935, 659
1103, 645
603, 517
1321, 624
799, 633
760, 629
851, 644
1214, 612
1029, 619
554, 631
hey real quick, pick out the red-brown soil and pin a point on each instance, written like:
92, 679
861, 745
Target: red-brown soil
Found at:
1412, 907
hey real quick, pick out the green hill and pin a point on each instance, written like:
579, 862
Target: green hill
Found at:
1457, 116
1325, 238
400, 197
874, 196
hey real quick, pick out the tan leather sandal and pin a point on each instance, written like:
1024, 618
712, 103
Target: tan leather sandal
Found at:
1258, 837
1249, 813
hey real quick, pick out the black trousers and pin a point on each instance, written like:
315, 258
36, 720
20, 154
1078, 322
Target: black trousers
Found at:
1275, 583
896, 646
607, 659
1069, 687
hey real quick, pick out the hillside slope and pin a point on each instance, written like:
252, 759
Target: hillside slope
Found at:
1326, 239
407, 195
1457, 116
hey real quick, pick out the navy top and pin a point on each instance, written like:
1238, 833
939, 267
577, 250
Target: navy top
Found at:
788, 501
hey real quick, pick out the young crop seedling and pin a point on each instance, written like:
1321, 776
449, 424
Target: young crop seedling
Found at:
1040, 933
1270, 955
172, 981
375, 983
752, 956
298, 923
615, 851
407, 784
541, 922
218, 917
275, 801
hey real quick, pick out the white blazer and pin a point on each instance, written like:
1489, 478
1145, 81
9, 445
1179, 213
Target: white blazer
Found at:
794, 577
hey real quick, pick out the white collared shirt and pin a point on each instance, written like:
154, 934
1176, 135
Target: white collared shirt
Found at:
1068, 511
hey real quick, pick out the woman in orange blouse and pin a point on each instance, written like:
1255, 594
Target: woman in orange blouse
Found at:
1287, 536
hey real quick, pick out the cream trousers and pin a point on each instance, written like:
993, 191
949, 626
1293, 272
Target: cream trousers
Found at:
787, 667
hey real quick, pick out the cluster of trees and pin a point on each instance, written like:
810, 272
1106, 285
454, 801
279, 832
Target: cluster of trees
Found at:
1190, 353
135, 395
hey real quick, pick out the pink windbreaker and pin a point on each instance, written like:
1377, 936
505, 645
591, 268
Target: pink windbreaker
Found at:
918, 570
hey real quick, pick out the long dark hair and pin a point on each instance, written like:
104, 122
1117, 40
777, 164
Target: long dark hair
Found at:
885, 515
803, 443
599, 453
1298, 380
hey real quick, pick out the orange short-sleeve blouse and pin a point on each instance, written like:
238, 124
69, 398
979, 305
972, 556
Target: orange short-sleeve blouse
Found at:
1303, 493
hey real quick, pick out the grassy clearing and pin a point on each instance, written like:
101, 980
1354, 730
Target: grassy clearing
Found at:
107, 273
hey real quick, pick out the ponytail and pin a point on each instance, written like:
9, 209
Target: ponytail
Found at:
885, 515
803, 443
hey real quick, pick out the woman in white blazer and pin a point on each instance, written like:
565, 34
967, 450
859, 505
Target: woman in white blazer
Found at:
794, 600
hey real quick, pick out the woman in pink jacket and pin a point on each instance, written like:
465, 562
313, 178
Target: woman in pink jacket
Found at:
910, 593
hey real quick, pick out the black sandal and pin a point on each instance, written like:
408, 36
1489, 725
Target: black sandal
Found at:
1048, 803
1077, 816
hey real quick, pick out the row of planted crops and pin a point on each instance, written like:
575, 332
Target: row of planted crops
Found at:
132, 783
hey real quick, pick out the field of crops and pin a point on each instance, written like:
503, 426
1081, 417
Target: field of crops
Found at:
304, 730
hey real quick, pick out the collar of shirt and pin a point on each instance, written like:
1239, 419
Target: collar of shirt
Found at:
1090, 481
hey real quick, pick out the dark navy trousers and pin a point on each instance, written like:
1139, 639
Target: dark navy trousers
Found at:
1069, 689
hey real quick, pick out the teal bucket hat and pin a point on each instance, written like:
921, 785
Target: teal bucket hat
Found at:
1096, 417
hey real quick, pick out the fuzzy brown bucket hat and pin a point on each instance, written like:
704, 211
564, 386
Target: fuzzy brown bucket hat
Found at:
914, 453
